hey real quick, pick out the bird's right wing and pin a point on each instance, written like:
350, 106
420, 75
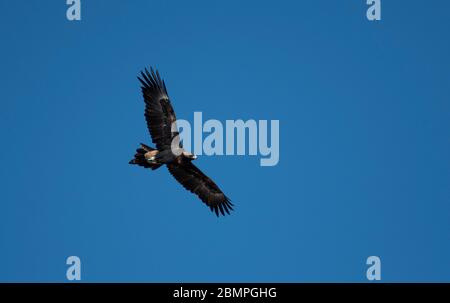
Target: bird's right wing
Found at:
159, 113
194, 180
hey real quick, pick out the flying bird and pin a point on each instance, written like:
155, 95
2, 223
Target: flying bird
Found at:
161, 123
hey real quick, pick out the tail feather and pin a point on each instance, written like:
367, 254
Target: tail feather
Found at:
139, 157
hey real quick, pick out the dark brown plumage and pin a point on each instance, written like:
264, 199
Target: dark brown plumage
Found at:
161, 123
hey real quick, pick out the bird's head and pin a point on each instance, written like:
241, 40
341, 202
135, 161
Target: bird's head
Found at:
189, 155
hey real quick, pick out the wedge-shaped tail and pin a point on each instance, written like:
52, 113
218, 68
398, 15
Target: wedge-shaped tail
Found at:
143, 157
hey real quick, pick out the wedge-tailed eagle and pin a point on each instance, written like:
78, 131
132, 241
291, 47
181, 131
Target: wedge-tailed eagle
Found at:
161, 122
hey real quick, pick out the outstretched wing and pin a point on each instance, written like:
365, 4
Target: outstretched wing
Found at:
159, 113
194, 180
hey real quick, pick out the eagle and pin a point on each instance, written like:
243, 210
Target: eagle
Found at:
161, 123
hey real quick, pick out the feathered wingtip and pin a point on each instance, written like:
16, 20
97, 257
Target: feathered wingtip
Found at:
152, 80
221, 208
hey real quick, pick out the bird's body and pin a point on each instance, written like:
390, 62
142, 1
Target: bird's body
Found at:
161, 122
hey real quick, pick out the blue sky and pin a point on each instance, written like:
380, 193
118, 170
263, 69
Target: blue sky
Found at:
364, 141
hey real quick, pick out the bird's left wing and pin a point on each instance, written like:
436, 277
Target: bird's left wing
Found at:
159, 113
194, 180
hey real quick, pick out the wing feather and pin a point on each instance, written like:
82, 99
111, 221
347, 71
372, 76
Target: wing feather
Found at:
194, 180
159, 112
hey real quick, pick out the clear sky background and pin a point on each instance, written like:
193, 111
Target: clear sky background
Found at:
364, 110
